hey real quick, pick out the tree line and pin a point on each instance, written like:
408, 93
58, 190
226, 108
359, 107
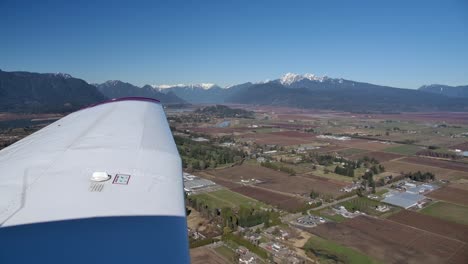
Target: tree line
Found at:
202, 155
279, 167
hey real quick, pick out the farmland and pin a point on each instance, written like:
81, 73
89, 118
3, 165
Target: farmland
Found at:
403, 149
432, 224
206, 255
298, 160
325, 250
448, 211
391, 242
280, 138
450, 194
282, 201
226, 198
278, 181
438, 163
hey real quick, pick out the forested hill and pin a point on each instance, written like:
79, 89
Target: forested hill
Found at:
222, 111
45, 92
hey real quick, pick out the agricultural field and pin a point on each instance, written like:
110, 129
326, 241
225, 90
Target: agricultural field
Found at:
441, 173
447, 211
205, 255
403, 149
349, 152
286, 138
227, 198
451, 194
288, 203
432, 224
364, 144
451, 165
325, 251
227, 253
391, 242
279, 181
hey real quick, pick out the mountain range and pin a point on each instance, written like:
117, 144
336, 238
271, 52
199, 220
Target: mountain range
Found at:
44, 92
311, 91
35, 92
450, 91
117, 89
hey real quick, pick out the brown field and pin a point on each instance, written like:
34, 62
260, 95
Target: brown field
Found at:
440, 173
438, 163
220, 130
290, 126
285, 138
294, 134
462, 146
331, 148
279, 181
392, 242
364, 144
448, 117
460, 184
284, 201
378, 155
432, 224
450, 194
281, 201
206, 255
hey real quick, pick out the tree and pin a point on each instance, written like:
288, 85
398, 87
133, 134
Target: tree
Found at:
314, 194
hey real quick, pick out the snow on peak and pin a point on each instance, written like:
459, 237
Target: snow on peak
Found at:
204, 86
113, 82
290, 78
63, 75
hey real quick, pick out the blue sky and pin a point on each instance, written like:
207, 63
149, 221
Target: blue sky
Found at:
399, 43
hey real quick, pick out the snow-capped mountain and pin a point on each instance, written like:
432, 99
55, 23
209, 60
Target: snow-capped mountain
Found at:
291, 78
305, 90
204, 86
450, 91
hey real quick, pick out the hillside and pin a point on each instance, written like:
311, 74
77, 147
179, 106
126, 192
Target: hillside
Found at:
36, 92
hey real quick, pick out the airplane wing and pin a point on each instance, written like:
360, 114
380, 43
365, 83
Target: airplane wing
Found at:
101, 185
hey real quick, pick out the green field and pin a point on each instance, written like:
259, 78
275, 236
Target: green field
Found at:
226, 253
366, 205
324, 213
330, 252
320, 171
226, 198
448, 211
403, 149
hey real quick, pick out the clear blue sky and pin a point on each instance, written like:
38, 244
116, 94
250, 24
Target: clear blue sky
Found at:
400, 43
